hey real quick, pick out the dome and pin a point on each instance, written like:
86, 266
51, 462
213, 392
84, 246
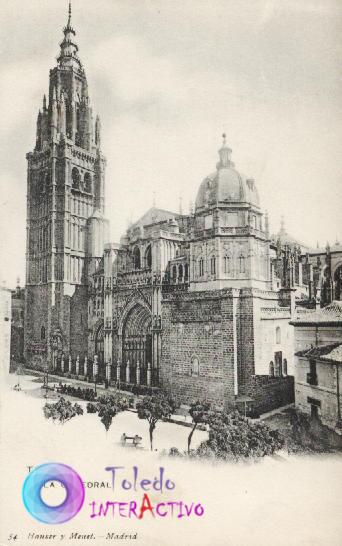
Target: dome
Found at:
226, 185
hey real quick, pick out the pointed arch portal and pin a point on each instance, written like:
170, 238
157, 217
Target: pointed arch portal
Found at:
137, 342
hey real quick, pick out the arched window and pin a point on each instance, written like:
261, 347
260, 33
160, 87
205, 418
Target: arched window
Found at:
42, 182
180, 273
186, 272
213, 265
242, 264
226, 264
75, 175
174, 273
148, 257
278, 335
271, 372
42, 333
136, 258
87, 183
201, 267
194, 366
284, 366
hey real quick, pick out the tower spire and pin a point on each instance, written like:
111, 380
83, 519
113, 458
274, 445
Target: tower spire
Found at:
69, 17
69, 48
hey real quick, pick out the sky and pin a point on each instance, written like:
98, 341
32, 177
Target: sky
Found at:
167, 78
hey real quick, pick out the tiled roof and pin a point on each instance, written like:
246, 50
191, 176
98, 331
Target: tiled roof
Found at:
330, 353
335, 355
330, 313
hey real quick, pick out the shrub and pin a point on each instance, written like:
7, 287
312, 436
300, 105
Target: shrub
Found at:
234, 437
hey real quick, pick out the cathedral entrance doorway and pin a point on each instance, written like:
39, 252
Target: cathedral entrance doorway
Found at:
136, 344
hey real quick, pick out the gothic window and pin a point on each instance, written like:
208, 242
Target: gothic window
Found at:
87, 182
136, 258
174, 273
42, 333
195, 366
284, 366
200, 267
148, 257
226, 263
242, 264
75, 175
271, 372
278, 335
213, 265
186, 272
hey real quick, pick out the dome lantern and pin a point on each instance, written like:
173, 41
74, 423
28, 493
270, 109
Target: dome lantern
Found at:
225, 154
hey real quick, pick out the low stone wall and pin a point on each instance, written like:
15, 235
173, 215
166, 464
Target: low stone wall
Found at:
270, 393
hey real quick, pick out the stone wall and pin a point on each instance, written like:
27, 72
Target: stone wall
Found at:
270, 393
199, 326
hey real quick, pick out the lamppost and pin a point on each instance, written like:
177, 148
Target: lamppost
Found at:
95, 371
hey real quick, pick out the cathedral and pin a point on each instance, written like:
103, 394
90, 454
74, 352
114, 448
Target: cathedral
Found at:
199, 304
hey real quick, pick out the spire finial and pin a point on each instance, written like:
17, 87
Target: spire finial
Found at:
224, 139
69, 18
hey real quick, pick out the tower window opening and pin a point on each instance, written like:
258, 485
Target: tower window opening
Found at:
242, 262
226, 260
87, 183
201, 267
213, 265
75, 175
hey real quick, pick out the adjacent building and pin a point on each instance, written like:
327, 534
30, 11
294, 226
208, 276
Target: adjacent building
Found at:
318, 362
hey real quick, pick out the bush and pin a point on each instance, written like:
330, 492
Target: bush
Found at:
78, 392
234, 437
62, 411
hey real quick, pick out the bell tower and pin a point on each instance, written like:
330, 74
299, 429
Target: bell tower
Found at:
65, 189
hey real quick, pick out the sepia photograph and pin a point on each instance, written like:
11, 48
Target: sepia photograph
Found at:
171, 272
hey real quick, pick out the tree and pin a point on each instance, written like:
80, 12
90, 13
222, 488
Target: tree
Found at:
62, 411
107, 406
234, 437
153, 409
199, 412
